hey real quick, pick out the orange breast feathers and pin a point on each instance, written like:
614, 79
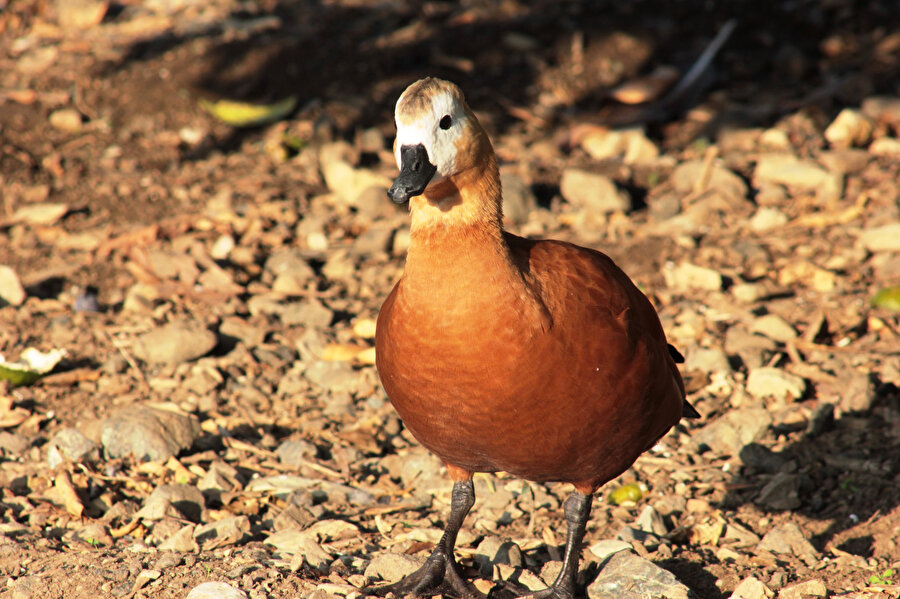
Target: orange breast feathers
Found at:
553, 369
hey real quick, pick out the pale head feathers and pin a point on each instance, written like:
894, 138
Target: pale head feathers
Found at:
466, 185
418, 114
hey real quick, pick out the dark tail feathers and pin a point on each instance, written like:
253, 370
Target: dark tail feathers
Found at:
687, 410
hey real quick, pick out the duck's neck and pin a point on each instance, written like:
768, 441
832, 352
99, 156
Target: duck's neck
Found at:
456, 234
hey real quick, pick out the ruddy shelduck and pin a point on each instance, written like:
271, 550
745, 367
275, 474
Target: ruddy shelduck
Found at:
538, 358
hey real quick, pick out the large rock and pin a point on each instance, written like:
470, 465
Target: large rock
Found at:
627, 576
148, 433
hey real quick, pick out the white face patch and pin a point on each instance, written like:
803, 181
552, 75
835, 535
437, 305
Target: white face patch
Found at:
440, 144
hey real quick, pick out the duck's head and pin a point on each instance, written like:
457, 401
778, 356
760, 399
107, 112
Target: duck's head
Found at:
440, 145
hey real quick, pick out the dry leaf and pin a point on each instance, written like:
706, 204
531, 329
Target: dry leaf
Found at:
65, 492
242, 114
10, 416
341, 352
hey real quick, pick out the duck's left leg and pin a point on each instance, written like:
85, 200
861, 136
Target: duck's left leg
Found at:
577, 511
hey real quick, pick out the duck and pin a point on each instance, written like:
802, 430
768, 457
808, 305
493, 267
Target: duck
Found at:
538, 358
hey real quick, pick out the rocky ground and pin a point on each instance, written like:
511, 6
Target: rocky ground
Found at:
217, 427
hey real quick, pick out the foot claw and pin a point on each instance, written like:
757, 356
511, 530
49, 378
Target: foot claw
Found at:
554, 592
439, 575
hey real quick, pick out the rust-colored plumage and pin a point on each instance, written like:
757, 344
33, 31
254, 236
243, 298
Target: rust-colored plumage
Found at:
538, 358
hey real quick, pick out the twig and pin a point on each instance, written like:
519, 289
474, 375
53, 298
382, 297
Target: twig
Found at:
702, 64
140, 373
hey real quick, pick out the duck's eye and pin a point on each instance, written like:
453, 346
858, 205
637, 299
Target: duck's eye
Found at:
446, 121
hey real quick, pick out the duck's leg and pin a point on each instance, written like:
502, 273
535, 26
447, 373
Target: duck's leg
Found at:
440, 574
577, 511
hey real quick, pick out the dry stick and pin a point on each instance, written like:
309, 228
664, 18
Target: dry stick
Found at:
140, 373
709, 158
703, 63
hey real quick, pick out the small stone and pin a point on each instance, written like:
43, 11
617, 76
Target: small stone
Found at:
724, 554
885, 238
845, 162
339, 266
239, 328
186, 499
66, 119
376, 240
518, 198
310, 313
749, 293
392, 567
709, 360
494, 550
803, 590
627, 576
650, 521
752, 588
289, 261
767, 218
607, 547
885, 146
629, 144
788, 539
768, 381
629, 534
220, 478
216, 590
148, 433
849, 128
787, 169
735, 429
13, 443
687, 276
401, 241
11, 290
45, 213
290, 284
782, 492
175, 342
296, 542
593, 192
721, 180
181, 541
296, 453
775, 140
228, 531
144, 577
884, 109
761, 458
774, 327
222, 247
70, 444
333, 376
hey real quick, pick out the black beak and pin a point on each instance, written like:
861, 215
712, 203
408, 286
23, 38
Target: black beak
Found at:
415, 173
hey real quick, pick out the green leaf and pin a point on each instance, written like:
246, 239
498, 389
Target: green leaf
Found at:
889, 298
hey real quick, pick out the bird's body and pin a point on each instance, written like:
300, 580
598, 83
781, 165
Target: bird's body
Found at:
538, 358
